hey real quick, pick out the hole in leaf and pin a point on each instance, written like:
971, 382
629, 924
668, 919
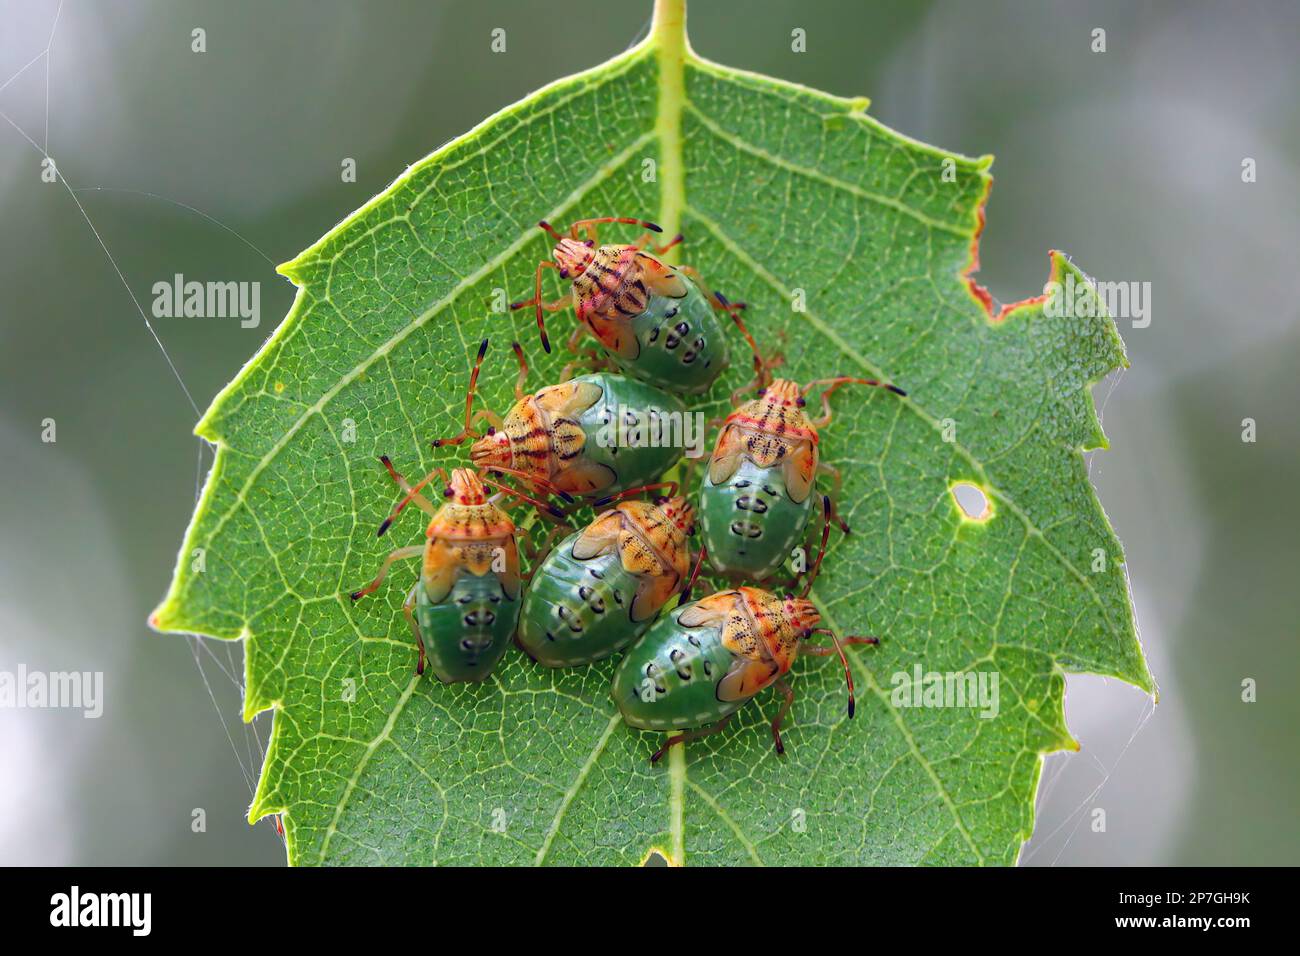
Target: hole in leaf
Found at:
655, 858
974, 504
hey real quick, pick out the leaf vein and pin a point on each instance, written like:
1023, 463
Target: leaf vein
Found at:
896, 204
572, 792
468, 282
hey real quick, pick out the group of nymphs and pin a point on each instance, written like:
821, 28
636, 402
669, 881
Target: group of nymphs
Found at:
602, 588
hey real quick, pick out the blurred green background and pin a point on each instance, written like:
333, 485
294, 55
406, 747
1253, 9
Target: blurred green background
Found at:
218, 165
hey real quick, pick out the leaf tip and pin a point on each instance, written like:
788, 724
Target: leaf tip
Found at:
259, 809
290, 270
205, 427
164, 619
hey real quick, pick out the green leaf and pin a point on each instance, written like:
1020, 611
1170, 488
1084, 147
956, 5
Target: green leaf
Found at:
785, 195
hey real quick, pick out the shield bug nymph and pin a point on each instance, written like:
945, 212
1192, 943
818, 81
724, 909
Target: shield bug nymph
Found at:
698, 665
759, 489
564, 438
463, 608
604, 585
655, 321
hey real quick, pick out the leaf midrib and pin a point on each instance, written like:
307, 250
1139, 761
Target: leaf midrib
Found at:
668, 33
